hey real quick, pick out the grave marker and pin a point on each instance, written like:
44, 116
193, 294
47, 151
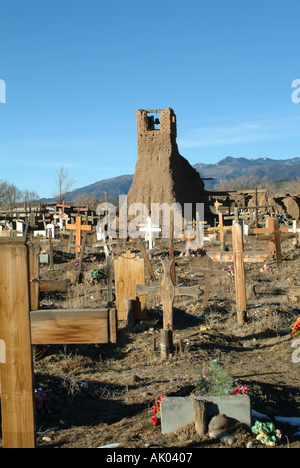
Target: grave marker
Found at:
221, 228
167, 291
19, 329
149, 229
295, 229
275, 236
129, 270
78, 229
17, 387
209, 271
238, 256
63, 206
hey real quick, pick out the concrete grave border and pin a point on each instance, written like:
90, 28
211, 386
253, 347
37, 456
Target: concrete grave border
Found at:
176, 412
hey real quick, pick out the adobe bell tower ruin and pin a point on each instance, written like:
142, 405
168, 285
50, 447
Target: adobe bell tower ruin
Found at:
161, 174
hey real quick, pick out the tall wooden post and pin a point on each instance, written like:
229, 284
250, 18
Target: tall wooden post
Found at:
17, 387
239, 274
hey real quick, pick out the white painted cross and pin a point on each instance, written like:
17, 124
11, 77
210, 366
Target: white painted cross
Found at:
50, 226
149, 229
295, 229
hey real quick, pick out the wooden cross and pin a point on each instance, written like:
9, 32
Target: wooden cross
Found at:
19, 329
238, 256
209, 271
150, 229
268, 230
63, 206
188, 239
79, 228
295, 229
216, 205
221, 228
275, 236
167, 291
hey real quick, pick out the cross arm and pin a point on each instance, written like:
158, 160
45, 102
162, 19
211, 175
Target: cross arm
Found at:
209, 271
187, 291
220, 256
141, 290
283, 235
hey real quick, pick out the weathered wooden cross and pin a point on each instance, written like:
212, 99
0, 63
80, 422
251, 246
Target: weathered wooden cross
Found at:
188, 238
209, 271
167, 291
275, 236
63, 206
238, 256
221, 228
78, 229
149, 229
19, 329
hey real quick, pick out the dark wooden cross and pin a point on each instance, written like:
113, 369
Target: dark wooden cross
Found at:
167, 291
275, 235
209, 271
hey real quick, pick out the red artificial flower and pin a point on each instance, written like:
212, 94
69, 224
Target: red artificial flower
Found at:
155, 419
295, 328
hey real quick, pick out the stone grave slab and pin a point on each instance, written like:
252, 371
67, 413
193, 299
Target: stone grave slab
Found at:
176, 412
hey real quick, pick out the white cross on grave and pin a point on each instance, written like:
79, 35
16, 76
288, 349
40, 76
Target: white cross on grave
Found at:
149, 229
295, 229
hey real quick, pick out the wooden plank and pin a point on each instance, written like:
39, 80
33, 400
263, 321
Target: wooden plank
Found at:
17, 387
113, 325
239, 274
66, 326
147, 261
51, 285
129, 271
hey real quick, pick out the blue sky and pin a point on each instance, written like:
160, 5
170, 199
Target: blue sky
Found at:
76, 71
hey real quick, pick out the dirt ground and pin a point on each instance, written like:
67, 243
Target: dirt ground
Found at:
103, 394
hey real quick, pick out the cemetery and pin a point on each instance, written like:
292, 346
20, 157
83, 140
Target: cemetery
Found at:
148, 342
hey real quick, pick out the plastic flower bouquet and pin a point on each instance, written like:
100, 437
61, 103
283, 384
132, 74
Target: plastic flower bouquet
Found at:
266, 433
155, 419
296, 328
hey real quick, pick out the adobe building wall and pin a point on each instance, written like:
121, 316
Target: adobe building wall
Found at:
162, 175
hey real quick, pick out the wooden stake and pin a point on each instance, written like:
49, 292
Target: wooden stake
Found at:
34, 262
166, 343
17, 387
200, 417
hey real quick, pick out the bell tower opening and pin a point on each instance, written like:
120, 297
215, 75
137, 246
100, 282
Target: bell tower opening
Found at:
153, 121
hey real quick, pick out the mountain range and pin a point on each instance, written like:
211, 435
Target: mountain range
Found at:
252, 169
258, 169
